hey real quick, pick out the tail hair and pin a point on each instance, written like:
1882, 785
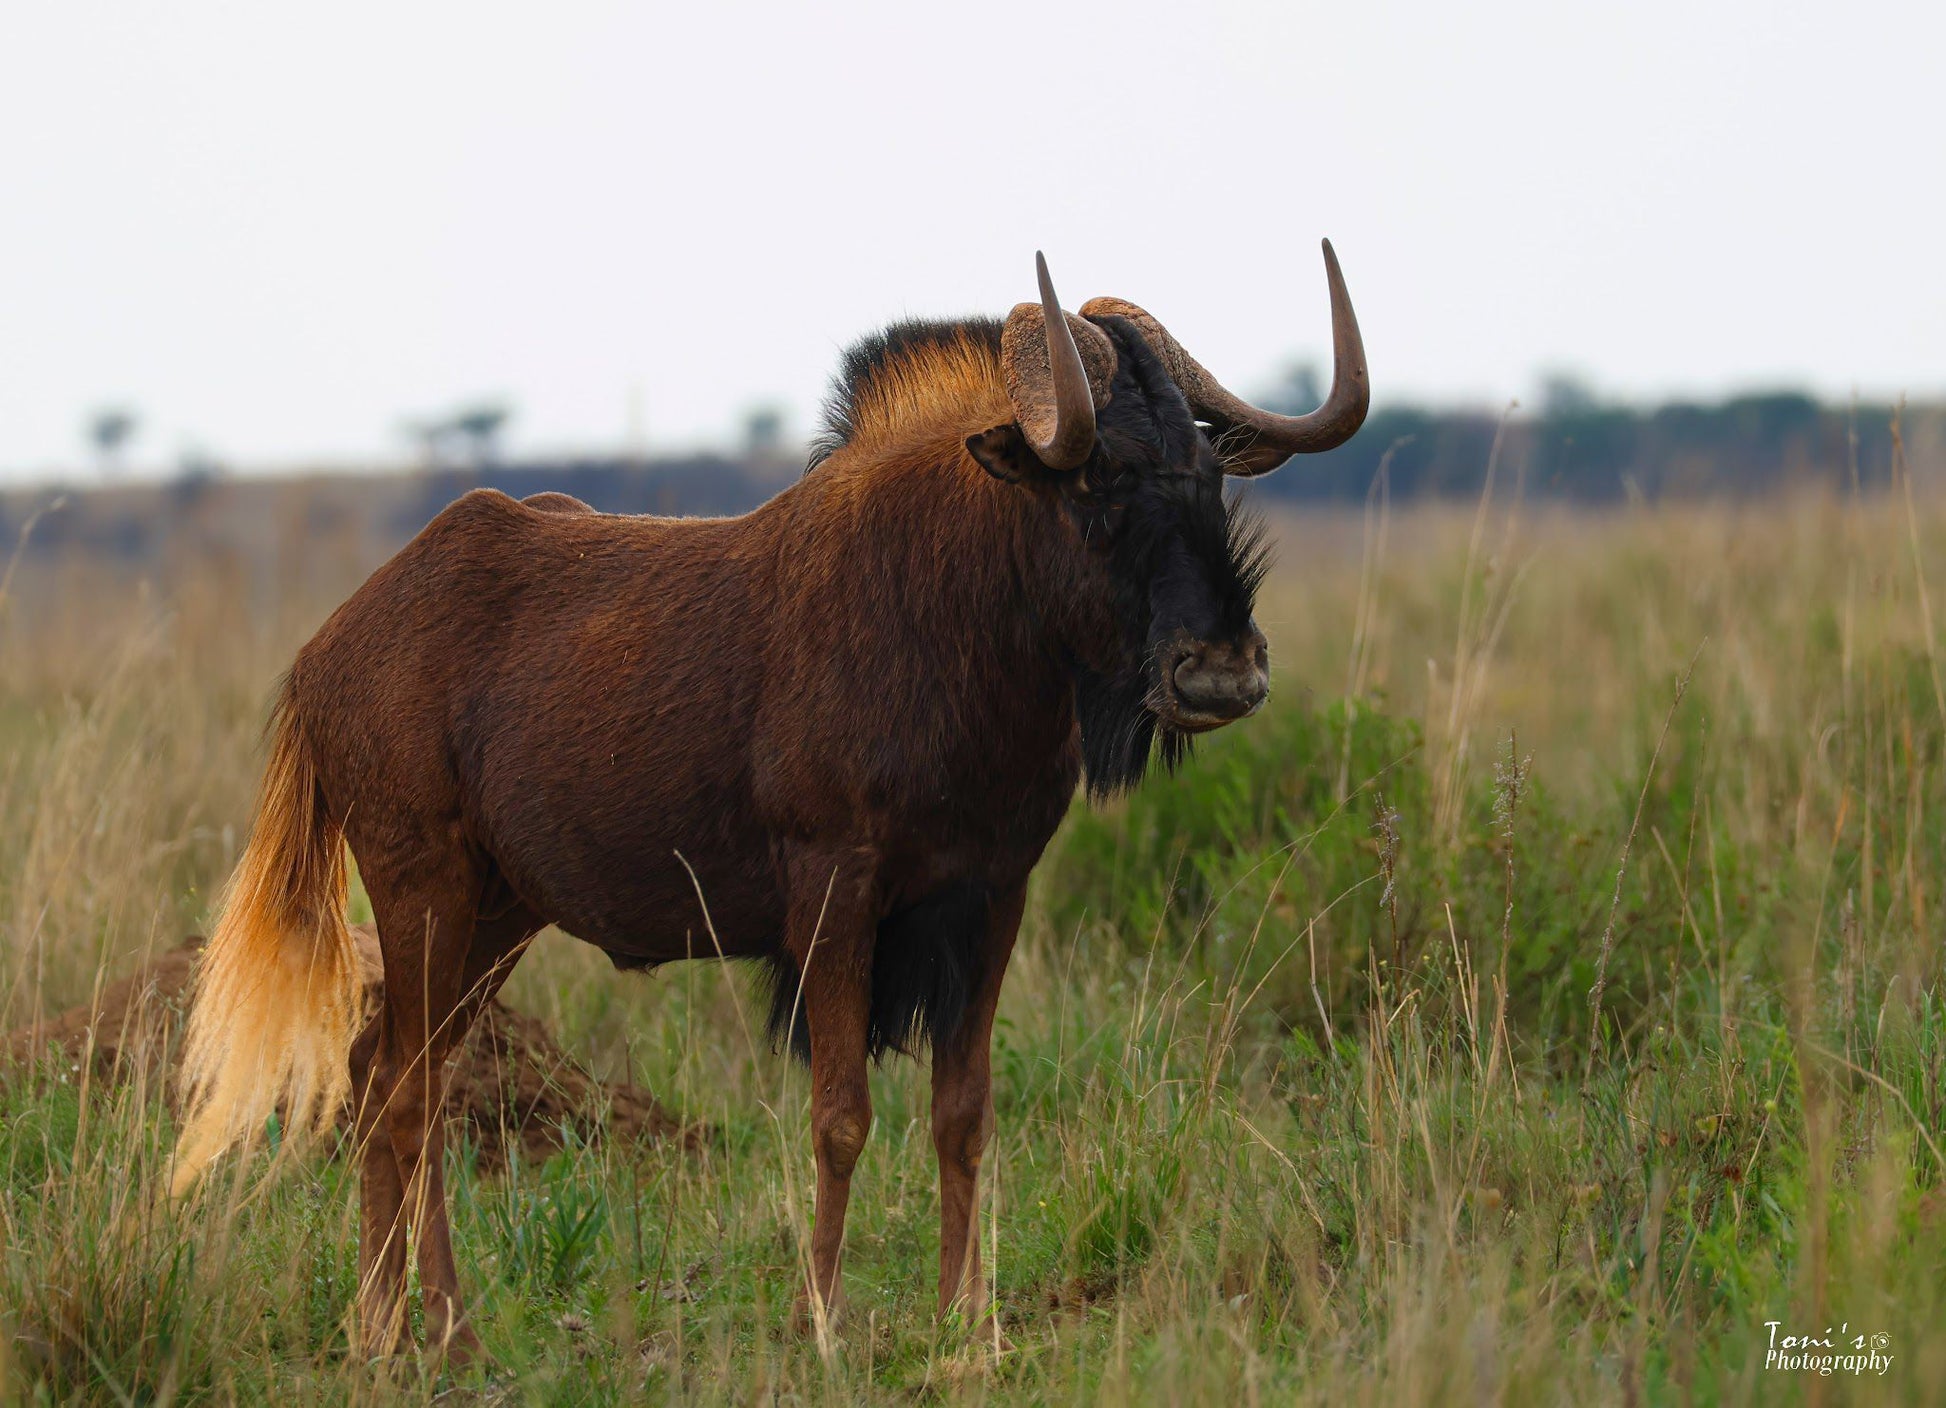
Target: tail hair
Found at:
277, 999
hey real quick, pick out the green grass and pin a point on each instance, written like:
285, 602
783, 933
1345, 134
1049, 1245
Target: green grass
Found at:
1301, 1093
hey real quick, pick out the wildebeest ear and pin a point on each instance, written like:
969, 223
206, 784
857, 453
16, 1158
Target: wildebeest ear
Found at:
1003, 453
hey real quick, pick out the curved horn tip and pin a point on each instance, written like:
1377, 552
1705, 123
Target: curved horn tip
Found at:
1072, 437
1046, 282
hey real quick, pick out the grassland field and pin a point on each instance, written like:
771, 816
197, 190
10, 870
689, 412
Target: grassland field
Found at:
1542, 995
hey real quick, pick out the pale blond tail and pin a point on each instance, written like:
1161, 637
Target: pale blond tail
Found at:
277, 998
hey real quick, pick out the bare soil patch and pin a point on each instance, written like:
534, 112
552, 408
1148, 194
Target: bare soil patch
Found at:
510, 1086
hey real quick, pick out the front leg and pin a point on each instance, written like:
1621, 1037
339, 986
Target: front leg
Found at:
962, 1114
830, 935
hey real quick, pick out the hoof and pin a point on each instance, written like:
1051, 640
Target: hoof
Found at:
988, 1334
461, 1351
983, 1331
805, 1325
973, 1315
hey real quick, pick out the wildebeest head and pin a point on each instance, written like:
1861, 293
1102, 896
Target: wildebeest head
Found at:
1133, 438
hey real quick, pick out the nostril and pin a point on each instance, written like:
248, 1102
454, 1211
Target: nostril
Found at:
1193, 677
1253, 687
1227, 689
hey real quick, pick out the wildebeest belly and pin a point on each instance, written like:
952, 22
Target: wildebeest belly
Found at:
628, 841
641, 904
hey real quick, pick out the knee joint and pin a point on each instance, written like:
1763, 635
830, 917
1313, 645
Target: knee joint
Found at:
842, 1140
961, 1136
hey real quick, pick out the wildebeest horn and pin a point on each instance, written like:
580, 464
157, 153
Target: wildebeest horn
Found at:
1048, 376
1253, 441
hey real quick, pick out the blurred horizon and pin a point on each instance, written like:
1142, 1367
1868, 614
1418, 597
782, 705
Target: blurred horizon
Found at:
474, 437
1573, 449
273, 241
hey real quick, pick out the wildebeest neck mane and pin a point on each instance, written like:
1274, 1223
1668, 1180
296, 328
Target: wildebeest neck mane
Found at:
912, 376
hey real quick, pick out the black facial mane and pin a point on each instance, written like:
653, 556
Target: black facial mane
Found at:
1155, 472
1119, 731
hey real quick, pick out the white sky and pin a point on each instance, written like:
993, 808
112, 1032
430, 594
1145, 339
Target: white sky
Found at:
280, 230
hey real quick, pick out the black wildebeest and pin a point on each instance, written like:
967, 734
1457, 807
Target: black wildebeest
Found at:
834, 735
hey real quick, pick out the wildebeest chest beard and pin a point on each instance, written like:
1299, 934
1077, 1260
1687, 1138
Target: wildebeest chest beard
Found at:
927, 959
1119, 731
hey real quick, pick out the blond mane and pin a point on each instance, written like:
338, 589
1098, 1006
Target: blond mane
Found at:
913, 385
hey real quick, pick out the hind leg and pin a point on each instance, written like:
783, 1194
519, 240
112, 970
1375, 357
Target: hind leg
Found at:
425, 923
381, 1200
376, 1070
497, 946
426, 916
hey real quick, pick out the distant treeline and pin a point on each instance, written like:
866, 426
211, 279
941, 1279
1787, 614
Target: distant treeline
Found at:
142, 525
1579, 449
1574, 448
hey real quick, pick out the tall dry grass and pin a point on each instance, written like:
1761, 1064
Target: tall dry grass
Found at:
1302, 1095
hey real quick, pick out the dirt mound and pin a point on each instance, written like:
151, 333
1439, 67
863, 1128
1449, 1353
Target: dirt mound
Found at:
511, 1084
